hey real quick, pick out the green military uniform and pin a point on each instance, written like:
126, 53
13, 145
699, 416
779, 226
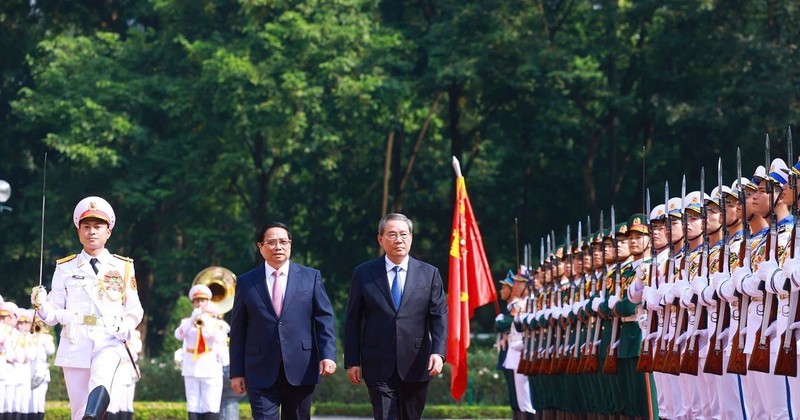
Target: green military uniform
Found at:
640, 393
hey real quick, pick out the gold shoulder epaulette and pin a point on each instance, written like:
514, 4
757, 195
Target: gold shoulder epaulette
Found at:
67, 258
123, 258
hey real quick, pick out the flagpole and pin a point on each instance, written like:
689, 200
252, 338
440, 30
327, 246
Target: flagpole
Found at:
457, 169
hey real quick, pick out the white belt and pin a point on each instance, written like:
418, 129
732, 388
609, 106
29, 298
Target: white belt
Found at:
631, 318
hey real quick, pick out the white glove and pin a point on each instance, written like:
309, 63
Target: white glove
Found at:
674, 292
750, 285
738, 275
718, 278
547, 314
654, 299
698, 284
612, 301
791, 270
766, 269
125, 329
499, 317
772, 330
596, 303
516, 317
686, 299
195, 313
576, 307
663, 288
38, 296
529, 319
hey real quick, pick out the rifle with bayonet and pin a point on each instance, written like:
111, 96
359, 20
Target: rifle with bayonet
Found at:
527, 334
556, 359
574, 360
714, 357
544, 366
690, 359
610, 364
645, 363
564, 356
592, 364
759, 359
589, 290
660, 357
786, 364
536, 361
737, 363
672, 364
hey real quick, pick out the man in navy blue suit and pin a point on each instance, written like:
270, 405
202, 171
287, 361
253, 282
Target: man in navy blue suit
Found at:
282, 336
396, 328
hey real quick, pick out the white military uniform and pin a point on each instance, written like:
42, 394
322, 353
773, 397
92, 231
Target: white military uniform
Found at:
204, 353
92, 308
40, 367
7, 373
513, 356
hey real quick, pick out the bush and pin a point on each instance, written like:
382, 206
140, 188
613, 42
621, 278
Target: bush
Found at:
59, 410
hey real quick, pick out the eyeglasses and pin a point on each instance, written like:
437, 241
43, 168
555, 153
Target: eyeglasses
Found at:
394, 235
273, 243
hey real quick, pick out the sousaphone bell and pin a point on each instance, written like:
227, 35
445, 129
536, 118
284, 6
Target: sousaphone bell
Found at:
222, 283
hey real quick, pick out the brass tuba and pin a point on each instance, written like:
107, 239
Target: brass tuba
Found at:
222, 283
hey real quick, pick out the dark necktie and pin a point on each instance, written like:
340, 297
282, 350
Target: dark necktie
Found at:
93, 262
397, 295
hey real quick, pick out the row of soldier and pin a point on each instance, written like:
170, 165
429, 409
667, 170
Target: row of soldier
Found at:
590, 326
25, 369
24, 373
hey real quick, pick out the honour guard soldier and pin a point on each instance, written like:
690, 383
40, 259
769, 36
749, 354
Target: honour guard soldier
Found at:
521, 384
503, 324
203, 338
45, 347
24, 353
767, 203
94, 297
726, 307
791, 276
8, 312
639, 388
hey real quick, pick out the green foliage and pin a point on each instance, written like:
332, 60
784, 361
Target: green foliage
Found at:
200, 120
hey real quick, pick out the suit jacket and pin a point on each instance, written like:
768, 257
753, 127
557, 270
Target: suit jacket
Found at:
301, 336
380, 339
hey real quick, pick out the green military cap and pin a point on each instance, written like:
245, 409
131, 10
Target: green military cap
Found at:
638, 223
619, 229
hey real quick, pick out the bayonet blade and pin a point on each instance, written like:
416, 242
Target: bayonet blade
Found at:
613, 224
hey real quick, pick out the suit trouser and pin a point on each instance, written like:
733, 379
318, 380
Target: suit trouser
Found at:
293, 402
397, 399
80, 381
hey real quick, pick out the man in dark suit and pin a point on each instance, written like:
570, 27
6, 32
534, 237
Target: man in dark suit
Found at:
282, 336
396, 327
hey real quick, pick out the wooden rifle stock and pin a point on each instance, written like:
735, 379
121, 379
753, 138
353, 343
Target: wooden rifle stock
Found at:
610, 363
786, 364
737, 363
714, 358
672, 362
787, 354
690, 359
759, 359
660, 354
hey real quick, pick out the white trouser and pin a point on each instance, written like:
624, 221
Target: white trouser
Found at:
38, 398
523, 390
794, 385
81, 381
767, 396
706, 385
203, 395
690, 396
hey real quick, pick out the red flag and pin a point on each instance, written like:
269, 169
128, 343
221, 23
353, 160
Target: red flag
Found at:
470, 284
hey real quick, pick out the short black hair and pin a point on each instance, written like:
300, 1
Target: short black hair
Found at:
269, 225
